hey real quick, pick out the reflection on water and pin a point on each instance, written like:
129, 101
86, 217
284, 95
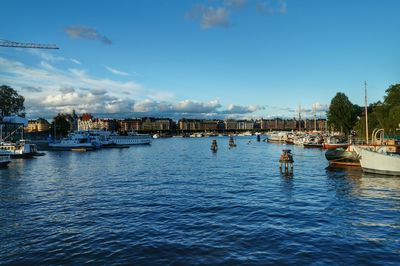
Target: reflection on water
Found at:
177, 202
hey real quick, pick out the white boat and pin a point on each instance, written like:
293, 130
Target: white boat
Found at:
277, 137
75, 140
5, 158
19, 149
132, 138
379, 161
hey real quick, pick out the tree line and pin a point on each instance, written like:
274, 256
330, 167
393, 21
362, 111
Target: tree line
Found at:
345, 116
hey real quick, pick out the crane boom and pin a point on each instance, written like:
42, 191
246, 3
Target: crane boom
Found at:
6, 43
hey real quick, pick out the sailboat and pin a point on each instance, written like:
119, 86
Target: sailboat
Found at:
378, 161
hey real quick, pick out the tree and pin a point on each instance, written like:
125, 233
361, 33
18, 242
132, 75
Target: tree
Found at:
388, 113
341, 114
60, 125
10, 102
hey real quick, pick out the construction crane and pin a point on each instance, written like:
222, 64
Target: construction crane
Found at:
6, 43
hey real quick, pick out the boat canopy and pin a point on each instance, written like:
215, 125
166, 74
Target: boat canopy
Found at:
15, 120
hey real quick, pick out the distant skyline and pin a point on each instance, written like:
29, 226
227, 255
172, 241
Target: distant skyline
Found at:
199, 59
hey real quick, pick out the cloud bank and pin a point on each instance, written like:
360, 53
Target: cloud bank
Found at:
58, 90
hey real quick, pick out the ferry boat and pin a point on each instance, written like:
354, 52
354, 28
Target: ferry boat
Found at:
19, 149
131, 138
76, 140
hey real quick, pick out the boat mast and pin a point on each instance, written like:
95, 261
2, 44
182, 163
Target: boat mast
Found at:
299, 117
366, 112
315, 117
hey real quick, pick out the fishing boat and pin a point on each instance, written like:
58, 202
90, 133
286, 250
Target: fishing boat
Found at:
379, 161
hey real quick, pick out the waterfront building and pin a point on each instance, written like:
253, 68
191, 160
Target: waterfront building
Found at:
105, 124
85, 122
130, 125
156, 124
245, 124
38, 125
291, 124
230, 124
210, 125
190, 124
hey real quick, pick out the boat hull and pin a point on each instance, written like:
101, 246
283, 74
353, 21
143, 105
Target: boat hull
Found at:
378, 163
328, 146
342, 158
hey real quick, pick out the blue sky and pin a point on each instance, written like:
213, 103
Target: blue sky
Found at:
212, 58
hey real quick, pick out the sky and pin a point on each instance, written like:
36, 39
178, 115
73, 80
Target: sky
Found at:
199, 58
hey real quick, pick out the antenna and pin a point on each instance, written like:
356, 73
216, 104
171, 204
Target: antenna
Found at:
366, 112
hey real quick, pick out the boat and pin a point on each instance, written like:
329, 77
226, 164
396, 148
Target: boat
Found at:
312, 142
20, 149
333, 142
132, 138
5, 159
378, 161
343, 157
76, 140
277, 137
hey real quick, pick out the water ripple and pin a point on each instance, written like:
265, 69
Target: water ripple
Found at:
175, 202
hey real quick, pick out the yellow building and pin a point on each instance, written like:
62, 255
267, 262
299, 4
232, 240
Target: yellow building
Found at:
38, 125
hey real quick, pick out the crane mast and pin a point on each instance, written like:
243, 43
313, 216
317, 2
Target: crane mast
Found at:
6, 43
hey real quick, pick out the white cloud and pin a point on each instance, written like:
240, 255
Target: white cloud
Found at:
272, 7
75, 61
116, 71
59, 90
210, 16
319, 107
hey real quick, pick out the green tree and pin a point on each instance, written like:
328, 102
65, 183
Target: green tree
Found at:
388, 113
10, 102
341, 114
60, 125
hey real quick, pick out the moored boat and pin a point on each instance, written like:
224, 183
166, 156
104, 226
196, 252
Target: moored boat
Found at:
5, 159
19, 149
75, 140
379, 161
342, 157
333, 142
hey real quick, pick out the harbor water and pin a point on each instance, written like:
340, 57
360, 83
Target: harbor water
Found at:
176, 202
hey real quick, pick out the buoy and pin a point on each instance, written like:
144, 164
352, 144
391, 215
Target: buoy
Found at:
287, 161
231, 142
214, 145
